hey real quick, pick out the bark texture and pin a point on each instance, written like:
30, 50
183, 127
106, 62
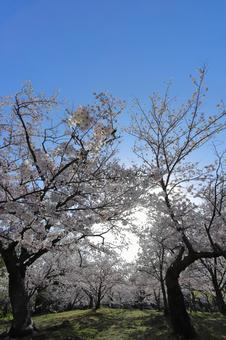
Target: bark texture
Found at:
22, 323
219, 297
165, 303
179, 317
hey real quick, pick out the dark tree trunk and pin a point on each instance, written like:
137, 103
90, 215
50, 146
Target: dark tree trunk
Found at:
157, 300
97, 305
208, 305
98, 299
22, 323
179, 317
219, 298
90, 302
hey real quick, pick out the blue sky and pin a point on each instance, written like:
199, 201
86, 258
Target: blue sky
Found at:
127, 47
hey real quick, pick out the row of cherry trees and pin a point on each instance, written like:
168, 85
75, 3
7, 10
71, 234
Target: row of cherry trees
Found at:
61, 185
60, 281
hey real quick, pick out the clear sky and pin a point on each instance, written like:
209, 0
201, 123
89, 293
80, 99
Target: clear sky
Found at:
127, 47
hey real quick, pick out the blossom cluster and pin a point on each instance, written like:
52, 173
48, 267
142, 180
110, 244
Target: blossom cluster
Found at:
81, 117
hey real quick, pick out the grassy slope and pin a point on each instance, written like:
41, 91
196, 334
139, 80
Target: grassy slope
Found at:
116, 324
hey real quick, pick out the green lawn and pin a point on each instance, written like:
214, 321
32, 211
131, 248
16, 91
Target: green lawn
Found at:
119, 324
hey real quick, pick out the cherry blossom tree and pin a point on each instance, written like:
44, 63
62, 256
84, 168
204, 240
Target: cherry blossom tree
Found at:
59, 180
44, 273
216, 273
156, 249
166, 138
143, 289
53, 281
99, 275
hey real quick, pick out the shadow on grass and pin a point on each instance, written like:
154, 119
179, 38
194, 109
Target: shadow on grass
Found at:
126, 325
62, 331
210, 326
112, 324
154, 327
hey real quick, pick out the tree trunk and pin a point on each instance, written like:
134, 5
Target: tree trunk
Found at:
157, 300
165, 303
219, 298
98, 299
22, 323
90, 302
179, 317
97, 304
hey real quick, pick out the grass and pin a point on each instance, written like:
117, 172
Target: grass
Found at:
119, 324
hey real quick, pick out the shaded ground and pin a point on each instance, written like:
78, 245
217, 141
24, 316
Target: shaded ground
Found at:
119, 324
